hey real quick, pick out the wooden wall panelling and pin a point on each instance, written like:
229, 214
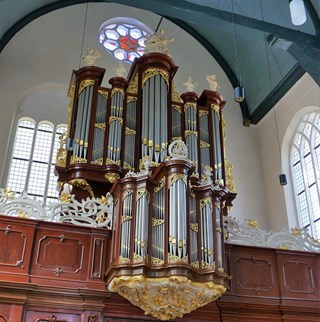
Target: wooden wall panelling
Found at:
254, 272
61, 255
100, 239
10, 312
34, 316
16, 241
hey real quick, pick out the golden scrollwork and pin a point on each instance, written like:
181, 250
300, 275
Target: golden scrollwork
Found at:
127, 166
75, 159
160, 185
203, 112
175, 97
205, 201
130, 131
173, 258
85, 83
124, 259
140, 193
151, 72
103, 93
252, 223
204, 144
65, 197
228, 173
117, 90
131, 99
125, 218
157, 222
101, 126
296, 231
166, 298
189, 132
284, 246
155, 260
82, 184
112, 177
109, 161
216, 108
177, 108
190, 104
133, 85
61, 158
114, 118
177, 176
194, 227
70, 106
97, 162
206, 265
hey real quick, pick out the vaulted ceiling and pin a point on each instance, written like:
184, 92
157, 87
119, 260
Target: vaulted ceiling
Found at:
253, 41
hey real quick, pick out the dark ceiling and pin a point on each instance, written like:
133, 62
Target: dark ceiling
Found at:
254, 41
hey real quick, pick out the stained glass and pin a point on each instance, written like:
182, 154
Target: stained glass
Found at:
124, 38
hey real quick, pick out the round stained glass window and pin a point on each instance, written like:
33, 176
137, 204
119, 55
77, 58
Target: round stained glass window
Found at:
124, 38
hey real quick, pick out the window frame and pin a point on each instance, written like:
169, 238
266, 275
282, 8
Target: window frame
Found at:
315, 161
57, 130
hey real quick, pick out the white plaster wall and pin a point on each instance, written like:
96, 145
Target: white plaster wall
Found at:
302, 98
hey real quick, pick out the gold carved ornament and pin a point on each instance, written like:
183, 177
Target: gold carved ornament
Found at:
131, 99
205, 201
160, 185
75, 159
103, 93
203, 113
101, 126
112, 177
151, 72
175, 177
83, 185
216, 108
228, 166
130, 131
97, 162
177, 108
70, 107
133, 85
175, 97
85, 83
61, 158
166, 298
190, 105
189, 132
114, 118
117, 90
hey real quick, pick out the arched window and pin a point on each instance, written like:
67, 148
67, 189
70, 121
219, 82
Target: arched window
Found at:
305, 166
33, 159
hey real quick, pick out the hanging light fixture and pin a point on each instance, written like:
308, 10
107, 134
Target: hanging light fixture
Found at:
239, 90
297, 12
282, 176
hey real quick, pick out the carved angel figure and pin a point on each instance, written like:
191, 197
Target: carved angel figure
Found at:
90, 56
158, 43
190, 85
214, 85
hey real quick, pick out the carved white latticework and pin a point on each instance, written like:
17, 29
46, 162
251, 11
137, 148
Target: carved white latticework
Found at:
249, 234
92, 212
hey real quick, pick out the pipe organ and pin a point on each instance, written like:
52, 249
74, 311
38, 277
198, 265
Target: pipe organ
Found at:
161, 156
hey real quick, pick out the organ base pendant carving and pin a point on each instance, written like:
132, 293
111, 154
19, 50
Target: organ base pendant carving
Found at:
166, 298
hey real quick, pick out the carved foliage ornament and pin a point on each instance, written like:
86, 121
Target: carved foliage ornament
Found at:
168, 297
88, 212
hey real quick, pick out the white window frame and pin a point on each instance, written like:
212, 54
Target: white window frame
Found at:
55, 128
316, 170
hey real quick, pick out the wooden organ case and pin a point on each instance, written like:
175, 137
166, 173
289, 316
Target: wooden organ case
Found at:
162, 158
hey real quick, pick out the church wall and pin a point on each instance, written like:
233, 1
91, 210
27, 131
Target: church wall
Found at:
302, 98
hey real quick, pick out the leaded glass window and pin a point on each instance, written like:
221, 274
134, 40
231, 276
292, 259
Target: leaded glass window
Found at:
305, 166
33, 159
